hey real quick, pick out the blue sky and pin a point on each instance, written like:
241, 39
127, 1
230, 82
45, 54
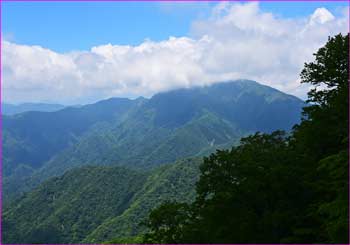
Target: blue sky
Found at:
64, 26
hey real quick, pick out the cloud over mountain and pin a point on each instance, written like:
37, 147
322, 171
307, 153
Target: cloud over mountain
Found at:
236, 41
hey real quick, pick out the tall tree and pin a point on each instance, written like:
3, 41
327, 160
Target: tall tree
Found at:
326, 119
323, 133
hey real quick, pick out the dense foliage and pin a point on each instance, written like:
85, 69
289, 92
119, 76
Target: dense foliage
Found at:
71, 206
96, 204
276, 188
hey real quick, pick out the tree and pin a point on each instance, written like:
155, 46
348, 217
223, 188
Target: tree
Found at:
167, 222
252, 193
326, 119
249, 194
323, 136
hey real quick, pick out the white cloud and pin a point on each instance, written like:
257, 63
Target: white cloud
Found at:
236, 41
321, 15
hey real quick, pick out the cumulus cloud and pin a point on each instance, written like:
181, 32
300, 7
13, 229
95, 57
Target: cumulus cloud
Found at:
236, 41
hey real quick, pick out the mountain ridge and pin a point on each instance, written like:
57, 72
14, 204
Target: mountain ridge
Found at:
12, 109
140, 133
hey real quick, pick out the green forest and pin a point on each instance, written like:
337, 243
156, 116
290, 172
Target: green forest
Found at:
92, 201
182, 167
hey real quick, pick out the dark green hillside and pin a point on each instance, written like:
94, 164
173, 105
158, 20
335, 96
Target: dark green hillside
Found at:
170, 182
71, 206
204, 133
96, 204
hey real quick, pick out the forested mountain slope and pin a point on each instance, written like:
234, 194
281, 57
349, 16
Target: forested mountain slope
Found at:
96, 203
140, 133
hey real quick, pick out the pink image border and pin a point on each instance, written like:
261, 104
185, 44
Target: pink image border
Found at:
183, 1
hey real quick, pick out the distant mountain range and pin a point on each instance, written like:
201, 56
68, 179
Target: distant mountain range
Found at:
141, 135
10, 109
